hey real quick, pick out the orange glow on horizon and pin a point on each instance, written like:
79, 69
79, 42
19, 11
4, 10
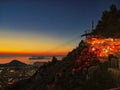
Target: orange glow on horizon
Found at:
23, 43
35, 53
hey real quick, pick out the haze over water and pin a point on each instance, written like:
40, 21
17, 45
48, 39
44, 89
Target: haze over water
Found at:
25, 59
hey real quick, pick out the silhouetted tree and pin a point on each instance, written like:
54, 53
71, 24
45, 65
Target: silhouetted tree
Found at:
54, 59
109, 25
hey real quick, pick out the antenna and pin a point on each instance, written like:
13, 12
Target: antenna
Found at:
88, 32
92, 24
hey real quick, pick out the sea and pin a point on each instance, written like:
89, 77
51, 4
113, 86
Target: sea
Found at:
25, 59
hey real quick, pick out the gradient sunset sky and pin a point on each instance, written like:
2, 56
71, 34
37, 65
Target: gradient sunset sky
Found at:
47, 27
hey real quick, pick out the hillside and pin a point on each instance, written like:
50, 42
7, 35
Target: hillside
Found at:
13, 63
79, 70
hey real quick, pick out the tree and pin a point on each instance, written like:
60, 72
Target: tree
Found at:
109, 25
54, 59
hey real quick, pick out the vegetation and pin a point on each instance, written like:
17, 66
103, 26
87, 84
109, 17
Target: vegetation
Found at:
80, 69
75, 72
109, 25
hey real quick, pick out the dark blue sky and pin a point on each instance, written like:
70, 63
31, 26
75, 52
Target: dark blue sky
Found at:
60, 19
53, 16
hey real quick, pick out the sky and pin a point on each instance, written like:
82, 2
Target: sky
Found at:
47, 27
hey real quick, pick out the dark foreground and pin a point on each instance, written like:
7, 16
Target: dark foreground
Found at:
79, 70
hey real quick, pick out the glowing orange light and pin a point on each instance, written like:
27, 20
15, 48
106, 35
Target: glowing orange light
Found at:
102, 47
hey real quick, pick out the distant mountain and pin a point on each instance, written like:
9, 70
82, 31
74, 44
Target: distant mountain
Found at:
13, 63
